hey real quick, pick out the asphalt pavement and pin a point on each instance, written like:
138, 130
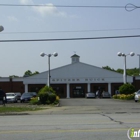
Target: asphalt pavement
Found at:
74, 119
85, 106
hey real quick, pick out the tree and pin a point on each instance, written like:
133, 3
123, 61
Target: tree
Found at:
130, 72
36, 72
13, 76
29, 73
108, 68
119, 71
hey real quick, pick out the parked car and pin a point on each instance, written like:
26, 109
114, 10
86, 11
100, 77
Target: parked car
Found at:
18, 95
137, 96
33, 93
106, 94
90, 95
11, 97
26, 97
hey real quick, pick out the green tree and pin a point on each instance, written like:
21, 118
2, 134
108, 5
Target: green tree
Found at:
13, 76
119, 71
36, 72
130, 72
108, 68
29, 73
127, 89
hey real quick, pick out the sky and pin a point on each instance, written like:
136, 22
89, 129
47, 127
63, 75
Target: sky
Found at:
38, 22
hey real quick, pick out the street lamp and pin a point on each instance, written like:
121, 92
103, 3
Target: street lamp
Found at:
124, 72
139, 62
49, 55
1, 28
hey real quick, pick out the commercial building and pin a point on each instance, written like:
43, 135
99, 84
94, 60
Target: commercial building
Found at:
70, 81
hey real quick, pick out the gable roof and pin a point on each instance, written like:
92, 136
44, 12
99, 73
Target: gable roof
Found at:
75, 55
80, 70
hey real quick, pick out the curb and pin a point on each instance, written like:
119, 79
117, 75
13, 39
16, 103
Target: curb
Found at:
10, 114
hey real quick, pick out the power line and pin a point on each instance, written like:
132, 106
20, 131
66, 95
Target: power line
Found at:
66, 31
128, 7
70, 39
65, 6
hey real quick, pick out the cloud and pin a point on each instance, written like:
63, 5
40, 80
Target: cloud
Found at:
12, 18
44, 9
49, 9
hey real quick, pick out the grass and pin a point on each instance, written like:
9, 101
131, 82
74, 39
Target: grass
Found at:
8, 109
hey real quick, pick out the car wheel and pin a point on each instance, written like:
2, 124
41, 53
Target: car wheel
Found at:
136, 100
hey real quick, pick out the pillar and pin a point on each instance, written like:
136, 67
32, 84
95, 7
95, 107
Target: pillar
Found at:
26, 87
68, 91
88, 87
109, 88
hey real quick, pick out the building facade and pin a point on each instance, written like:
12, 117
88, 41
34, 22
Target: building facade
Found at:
70, 81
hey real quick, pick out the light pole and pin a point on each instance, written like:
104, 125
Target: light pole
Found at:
124, 72
1, 28
49, 55
139, 62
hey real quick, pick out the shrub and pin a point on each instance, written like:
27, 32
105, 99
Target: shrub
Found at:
57, 98
46, 89
43, 97
52, 97
47, 95
115, 96
127, 89
34, 101
124, 96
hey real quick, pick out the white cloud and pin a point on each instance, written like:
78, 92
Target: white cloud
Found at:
49, 9
44, 9
26, 1
12, 18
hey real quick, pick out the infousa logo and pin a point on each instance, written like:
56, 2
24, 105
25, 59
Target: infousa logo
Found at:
133, 133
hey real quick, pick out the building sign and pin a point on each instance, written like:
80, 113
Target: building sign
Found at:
76, 80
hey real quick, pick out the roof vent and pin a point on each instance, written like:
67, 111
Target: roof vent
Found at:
75, 58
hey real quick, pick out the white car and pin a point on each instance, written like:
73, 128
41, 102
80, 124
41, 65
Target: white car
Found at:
11, 97
137, 96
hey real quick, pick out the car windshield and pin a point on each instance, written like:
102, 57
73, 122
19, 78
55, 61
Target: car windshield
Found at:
32, 93
26, 94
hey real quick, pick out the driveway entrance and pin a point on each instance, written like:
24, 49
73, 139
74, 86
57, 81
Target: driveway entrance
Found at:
99, 106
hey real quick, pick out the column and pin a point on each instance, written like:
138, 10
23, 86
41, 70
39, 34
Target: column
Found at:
26, 87
68, 91
109, 88
88, 87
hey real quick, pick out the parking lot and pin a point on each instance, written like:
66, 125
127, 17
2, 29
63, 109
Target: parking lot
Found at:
100, 105
88, 106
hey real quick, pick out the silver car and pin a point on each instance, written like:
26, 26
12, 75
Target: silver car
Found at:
137, 96
90, 95
18, 95
11, 97
106, 94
